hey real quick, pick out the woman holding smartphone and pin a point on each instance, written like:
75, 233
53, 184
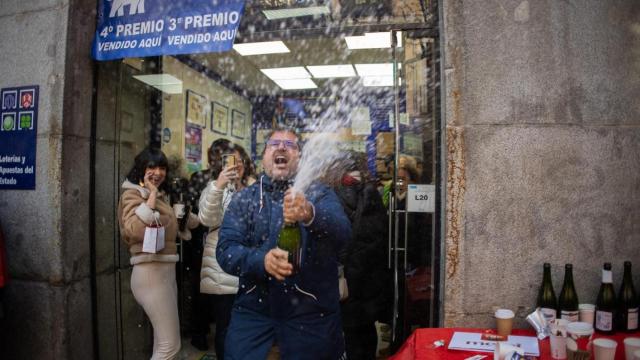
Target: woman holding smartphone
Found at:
153, 280
236, 174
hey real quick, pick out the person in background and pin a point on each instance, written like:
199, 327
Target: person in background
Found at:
213, 202
364, 259
298, 311
202, 311
153, 279
407, 173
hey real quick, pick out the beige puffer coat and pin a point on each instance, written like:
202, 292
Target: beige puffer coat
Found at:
212, 205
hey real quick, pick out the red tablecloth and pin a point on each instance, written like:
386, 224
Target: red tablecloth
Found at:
420, 345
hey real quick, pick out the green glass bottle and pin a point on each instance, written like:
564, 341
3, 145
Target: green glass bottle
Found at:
627, 302
546, 296
290, 240
606, 303
568, 300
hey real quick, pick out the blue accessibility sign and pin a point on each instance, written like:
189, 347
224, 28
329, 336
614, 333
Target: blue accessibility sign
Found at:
139, 28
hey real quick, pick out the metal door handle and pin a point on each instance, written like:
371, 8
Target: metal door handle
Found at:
390, 233
406, 235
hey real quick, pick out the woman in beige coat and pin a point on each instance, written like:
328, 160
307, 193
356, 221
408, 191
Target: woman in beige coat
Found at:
153, 279
213, 202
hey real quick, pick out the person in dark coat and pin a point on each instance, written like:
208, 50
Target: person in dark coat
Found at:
364, 259
300, 312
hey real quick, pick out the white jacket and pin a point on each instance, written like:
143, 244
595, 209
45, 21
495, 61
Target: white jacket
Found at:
213, 203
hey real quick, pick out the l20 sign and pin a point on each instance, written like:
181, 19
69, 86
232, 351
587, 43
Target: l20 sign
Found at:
421, 198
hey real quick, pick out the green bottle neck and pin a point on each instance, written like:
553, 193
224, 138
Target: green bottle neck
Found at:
568, 277
546, 275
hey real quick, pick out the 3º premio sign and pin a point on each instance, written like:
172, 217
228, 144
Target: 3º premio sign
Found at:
139, 28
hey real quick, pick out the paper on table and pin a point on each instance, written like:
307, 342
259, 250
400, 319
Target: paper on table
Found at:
474, 342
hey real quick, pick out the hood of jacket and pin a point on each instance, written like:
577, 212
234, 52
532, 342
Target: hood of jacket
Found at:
144, 192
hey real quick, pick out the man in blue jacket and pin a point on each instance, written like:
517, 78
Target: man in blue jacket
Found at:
299, 312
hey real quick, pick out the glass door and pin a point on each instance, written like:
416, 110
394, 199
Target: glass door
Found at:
373, 92
411, 195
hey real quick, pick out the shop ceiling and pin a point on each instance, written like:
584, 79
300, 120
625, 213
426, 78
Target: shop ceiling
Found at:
244, 71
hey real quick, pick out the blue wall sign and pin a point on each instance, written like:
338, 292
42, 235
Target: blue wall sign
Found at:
139, 28
19, 117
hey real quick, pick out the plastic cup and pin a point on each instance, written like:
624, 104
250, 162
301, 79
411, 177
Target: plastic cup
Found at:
504, 321
178, 209
558, 345
636, 355
631, 346
604, 349
587, 312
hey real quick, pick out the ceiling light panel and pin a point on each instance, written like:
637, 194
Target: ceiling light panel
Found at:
261, 48
377, 40
286, 73
296, 84
385, 69
331, 71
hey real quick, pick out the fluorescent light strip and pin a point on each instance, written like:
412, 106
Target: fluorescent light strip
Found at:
295, 84
286, 73
291, 13
163, 82
331, 71
260, 48
385, 69
378, 40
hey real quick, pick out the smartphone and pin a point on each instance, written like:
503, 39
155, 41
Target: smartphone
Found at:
228, 160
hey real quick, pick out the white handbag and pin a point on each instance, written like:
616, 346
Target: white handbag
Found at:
153, 237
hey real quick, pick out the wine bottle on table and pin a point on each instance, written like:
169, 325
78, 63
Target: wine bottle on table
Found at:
606, 303
627, 302
289, 240
546, 296
568, 300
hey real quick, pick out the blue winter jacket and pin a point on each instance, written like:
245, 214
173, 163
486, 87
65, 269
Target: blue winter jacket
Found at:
250, 229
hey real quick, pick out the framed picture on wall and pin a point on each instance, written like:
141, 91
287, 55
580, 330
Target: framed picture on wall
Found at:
219, 118
237, 124
198, 109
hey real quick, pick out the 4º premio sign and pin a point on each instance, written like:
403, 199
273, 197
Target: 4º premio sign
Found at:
139, 28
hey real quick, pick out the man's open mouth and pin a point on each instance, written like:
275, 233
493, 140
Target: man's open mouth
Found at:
280, 160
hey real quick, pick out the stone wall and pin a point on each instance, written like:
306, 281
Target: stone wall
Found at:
48, 300
541, 103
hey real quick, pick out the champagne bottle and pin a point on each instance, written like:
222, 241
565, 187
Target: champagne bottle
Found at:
627, 302
289, 240
606, 303
568, 300
546, 296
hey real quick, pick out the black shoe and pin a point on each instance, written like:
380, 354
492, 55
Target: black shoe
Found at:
200, 342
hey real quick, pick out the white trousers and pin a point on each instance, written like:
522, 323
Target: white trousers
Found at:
154, 287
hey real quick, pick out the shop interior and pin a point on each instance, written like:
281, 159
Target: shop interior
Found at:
353, 82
